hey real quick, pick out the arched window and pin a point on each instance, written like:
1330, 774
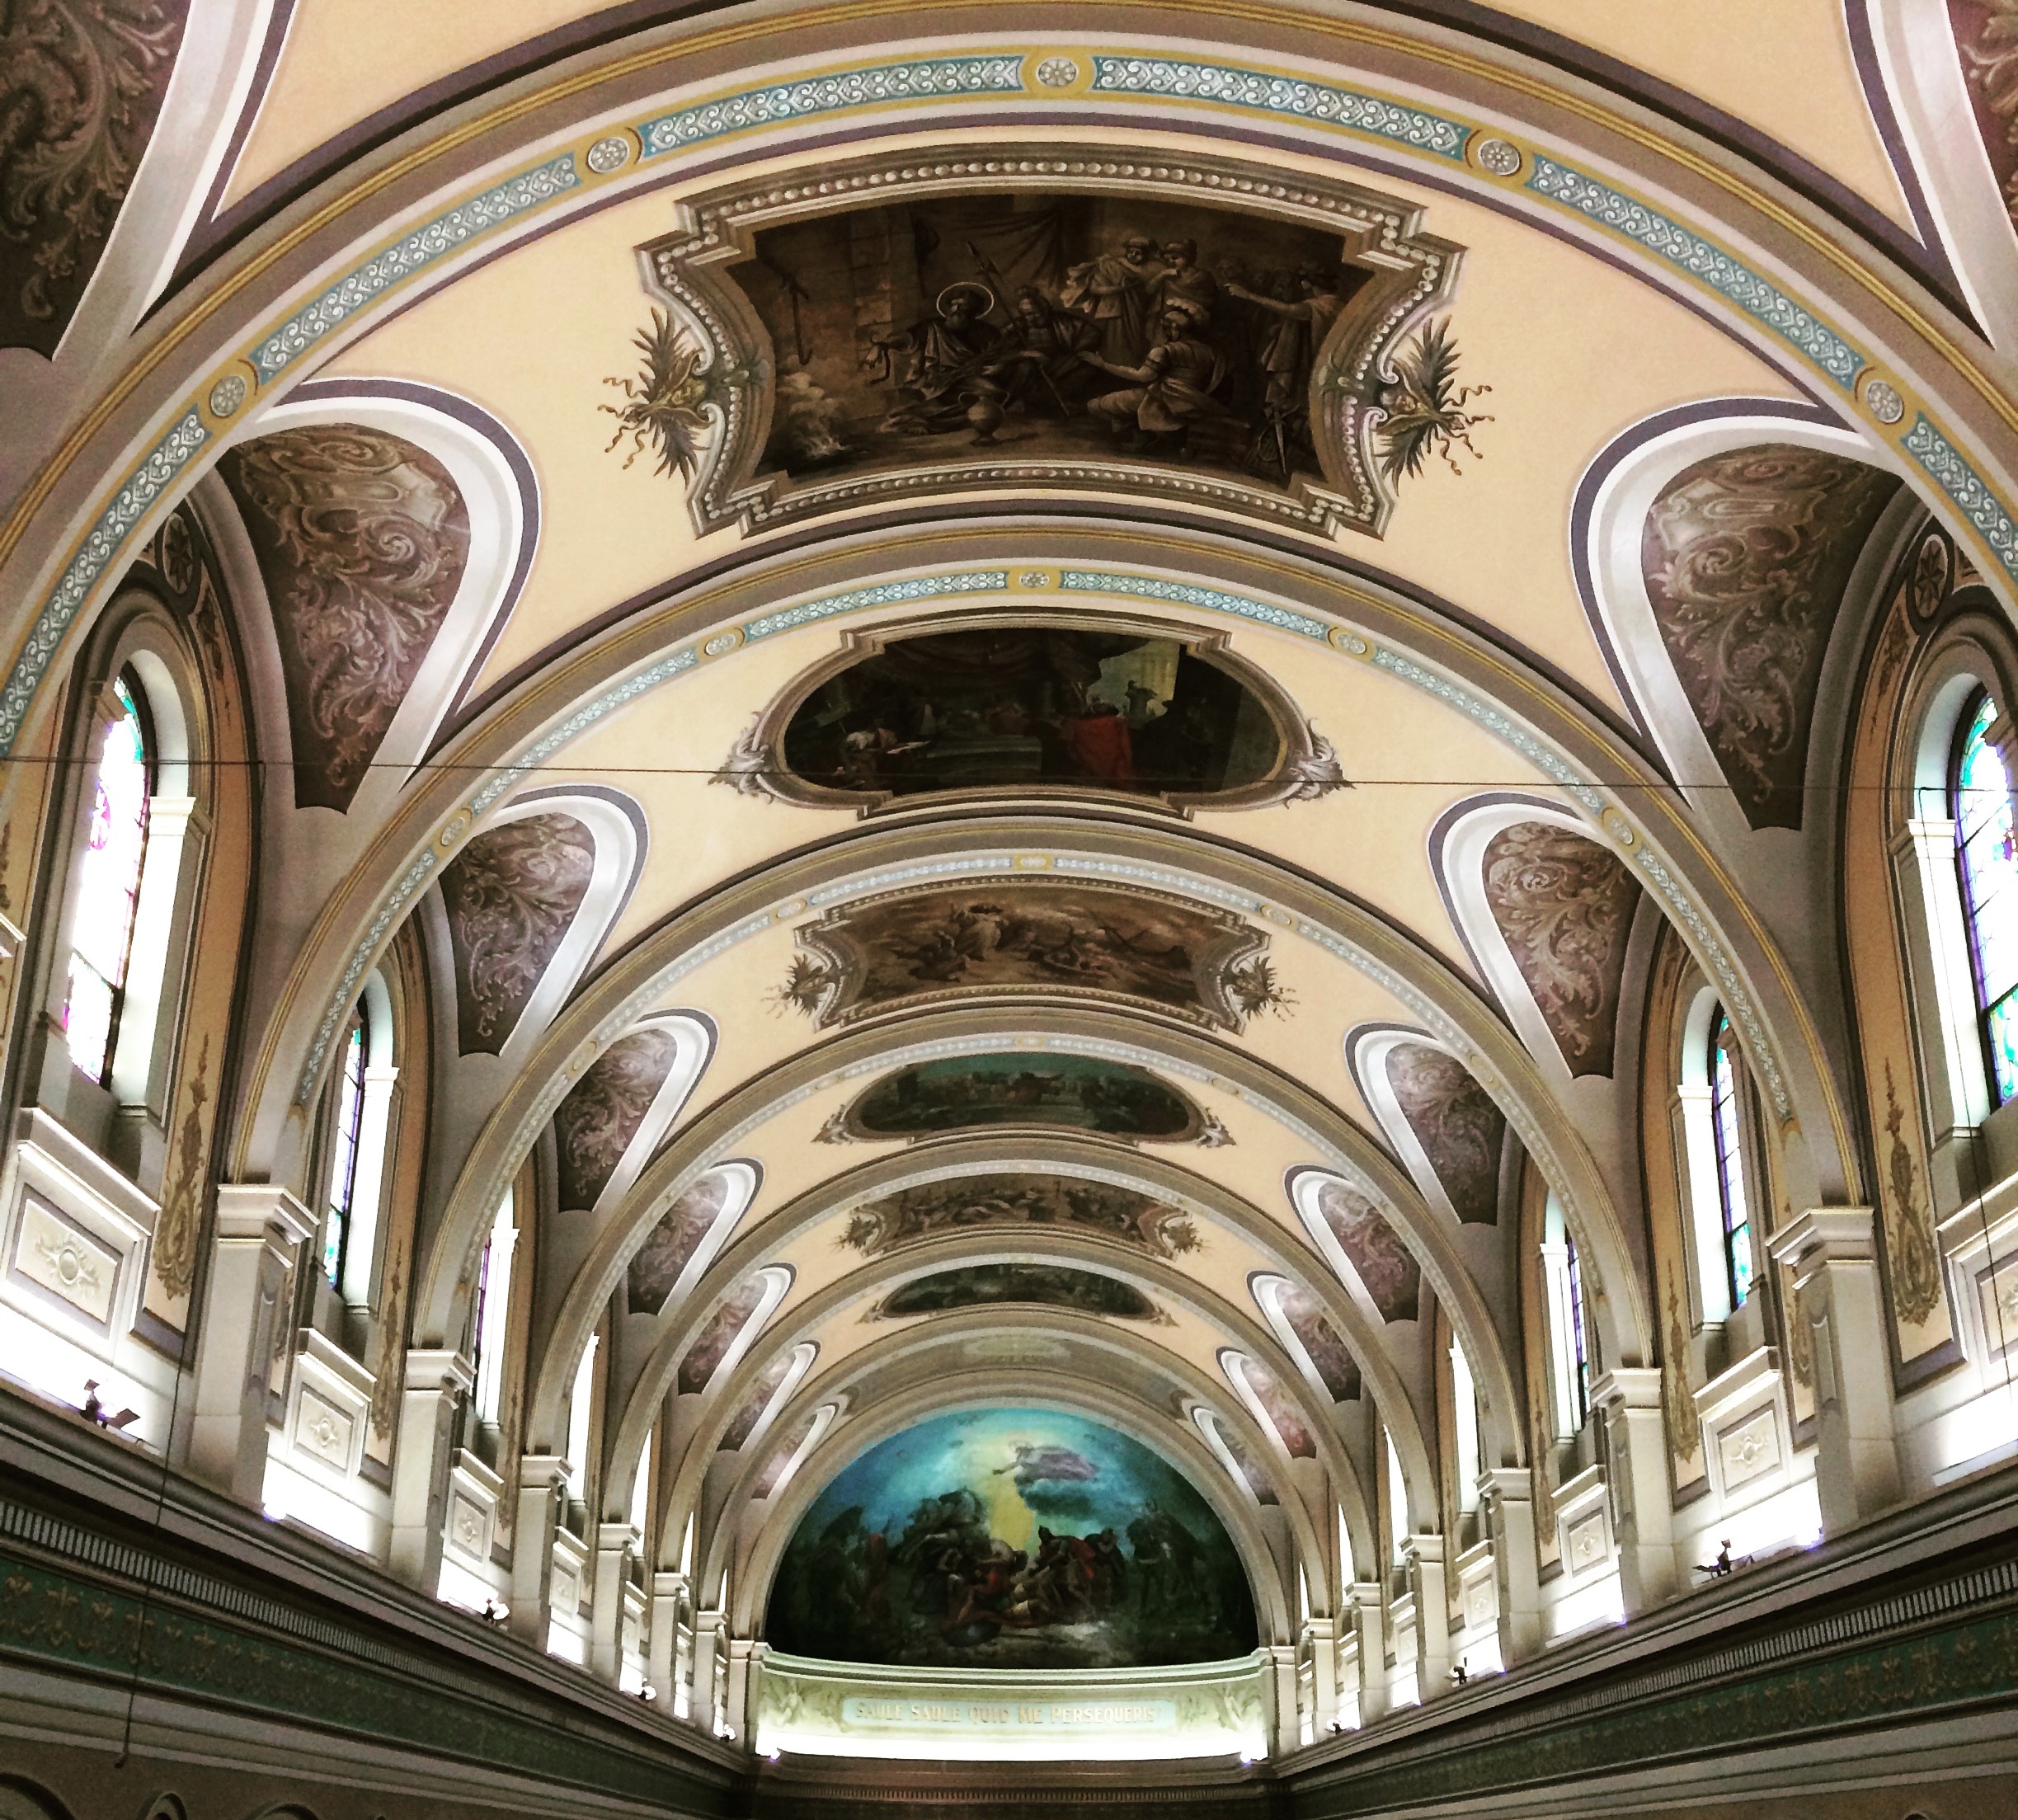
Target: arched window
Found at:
1726, 1132
1980, 804
493, 1304
356, 1132
1569, 1353
109, 885
338, 1217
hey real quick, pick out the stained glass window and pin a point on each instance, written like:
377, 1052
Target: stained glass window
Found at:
1989, 867
108, 888
1581, 1377
343, 1151
1726, 1132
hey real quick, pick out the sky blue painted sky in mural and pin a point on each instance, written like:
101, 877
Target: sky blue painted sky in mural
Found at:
1029, 1466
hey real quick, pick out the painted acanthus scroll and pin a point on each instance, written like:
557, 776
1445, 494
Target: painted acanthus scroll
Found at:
1746, 555
511, 895
362, 539
603, 1110
1565, 905
82, 85
1454, 1119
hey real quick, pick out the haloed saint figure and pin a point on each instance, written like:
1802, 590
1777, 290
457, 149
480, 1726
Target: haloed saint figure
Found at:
1011, 1538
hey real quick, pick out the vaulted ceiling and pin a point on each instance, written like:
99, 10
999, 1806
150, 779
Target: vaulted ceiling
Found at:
972, 868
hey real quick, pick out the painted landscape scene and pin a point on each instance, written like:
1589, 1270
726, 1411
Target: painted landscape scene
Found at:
1011, 1538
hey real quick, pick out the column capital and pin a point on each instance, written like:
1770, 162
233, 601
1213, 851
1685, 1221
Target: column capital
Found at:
1422, 1547
437, 1368
1632, 1386
1366, 1594
1825, 1235
543, 1472
1508, 1484
616, 1535
252, 1209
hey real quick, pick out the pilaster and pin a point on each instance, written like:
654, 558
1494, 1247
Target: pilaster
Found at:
542, 1483
1643, 1506
436, 1379
259, 1231
1510, 1510
1832, 1252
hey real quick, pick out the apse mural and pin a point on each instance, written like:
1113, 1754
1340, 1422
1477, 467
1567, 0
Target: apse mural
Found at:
1565, 905
1011, 1538
1033, 707
362, 538
1127, 948
1746, 555
1051, 1286
1071, 1093
962, 1203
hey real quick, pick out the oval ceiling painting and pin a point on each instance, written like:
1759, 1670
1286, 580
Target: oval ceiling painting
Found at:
1076, 1093
1035, 708
1011, 1538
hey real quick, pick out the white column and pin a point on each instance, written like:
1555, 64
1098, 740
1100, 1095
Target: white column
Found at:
1423, 1560
1561, 1335
662, 1664
1324, 1645
542, 1483
259, 1232
436, 1379
1369, 1613
615, 1544
708, 1629
1636, 1472
746, 1674
1509, 1509
1832, 1252
1283, 1732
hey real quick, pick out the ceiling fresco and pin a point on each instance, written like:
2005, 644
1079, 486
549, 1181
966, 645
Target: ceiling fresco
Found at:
1138, 948
1011, 1538
1034, 708
1025, 1090
1126, 1217
1044, 1285
964, 339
